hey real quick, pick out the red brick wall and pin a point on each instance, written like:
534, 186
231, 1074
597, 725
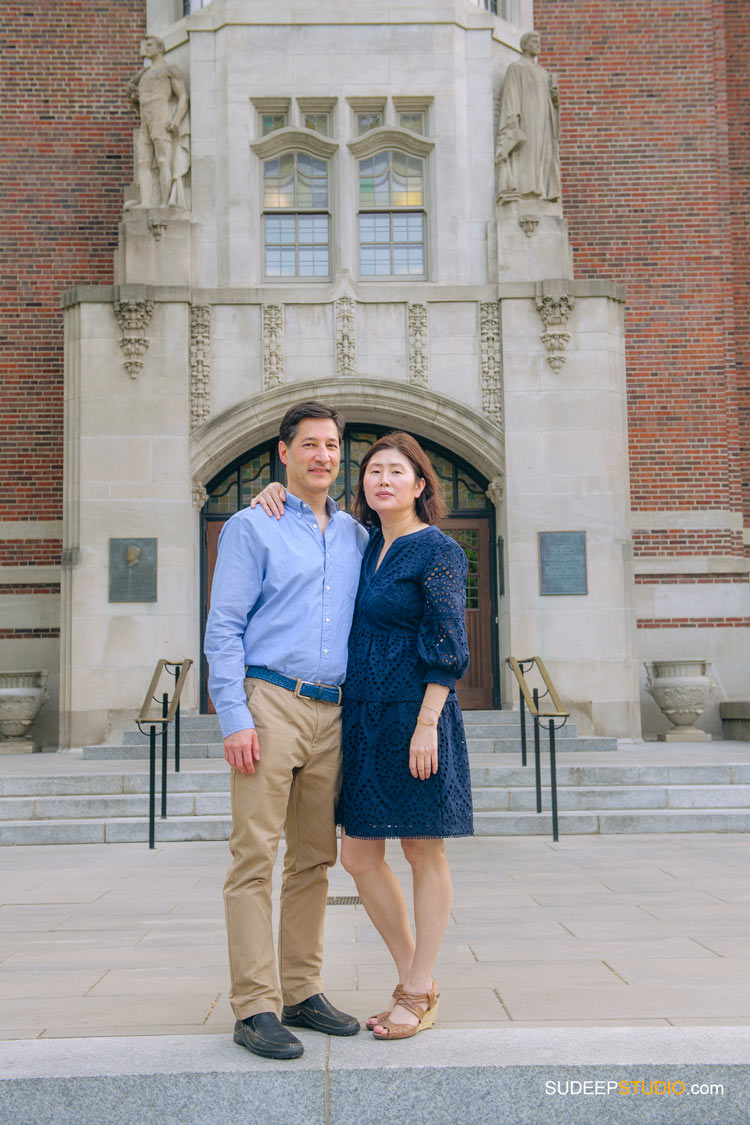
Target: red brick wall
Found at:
646, 190
738, 101
65, 156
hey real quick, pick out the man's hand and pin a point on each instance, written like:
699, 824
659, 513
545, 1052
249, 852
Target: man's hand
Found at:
423, 752
242, 750
271, 499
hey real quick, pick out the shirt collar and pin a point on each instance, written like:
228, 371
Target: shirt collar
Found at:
294, 504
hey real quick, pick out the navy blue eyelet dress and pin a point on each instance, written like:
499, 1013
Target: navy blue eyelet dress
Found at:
408, 631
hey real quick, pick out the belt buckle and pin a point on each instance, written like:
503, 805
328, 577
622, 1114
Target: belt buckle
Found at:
298, 687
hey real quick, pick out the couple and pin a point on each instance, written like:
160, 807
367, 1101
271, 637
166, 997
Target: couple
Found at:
286, 593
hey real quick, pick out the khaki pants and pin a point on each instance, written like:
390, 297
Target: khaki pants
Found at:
294, 788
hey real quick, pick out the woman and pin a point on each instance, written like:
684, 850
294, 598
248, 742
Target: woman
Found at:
405, 763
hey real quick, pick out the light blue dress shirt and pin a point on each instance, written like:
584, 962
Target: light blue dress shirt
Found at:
282, 598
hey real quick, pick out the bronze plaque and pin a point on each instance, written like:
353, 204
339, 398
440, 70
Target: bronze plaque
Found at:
132, 570
562, 562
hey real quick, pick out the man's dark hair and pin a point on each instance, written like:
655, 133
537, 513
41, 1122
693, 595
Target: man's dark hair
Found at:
296, 414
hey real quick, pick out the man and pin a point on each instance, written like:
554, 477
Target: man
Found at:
161, 96
282, 602
528, 153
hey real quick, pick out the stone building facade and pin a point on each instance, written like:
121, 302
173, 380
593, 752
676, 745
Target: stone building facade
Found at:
341, 237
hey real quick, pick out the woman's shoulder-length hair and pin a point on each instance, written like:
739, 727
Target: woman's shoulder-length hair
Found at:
430, 505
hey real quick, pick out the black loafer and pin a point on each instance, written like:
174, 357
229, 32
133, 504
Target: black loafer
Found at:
263, 1035
319, 1014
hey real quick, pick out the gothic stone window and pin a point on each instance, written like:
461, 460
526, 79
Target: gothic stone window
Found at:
392, 216
296, 219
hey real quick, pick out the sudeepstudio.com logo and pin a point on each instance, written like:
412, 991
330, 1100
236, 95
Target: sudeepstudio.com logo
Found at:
636, 1088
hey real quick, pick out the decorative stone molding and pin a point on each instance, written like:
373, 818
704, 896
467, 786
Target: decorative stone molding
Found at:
419, 347
292, 139
387, 136
528, 224
199, 494
554, 309
495, 490
200, 365
345, 313
157, 226
491, 361
133, 318
273, 346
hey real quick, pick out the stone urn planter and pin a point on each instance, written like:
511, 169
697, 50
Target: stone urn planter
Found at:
680, 689
21, 697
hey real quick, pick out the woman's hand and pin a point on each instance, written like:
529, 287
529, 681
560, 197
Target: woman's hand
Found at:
271, 499
423, 751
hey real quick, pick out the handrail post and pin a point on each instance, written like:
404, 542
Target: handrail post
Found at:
164, 736
537, 755
177, 670
553, 779
151, 785
523, 726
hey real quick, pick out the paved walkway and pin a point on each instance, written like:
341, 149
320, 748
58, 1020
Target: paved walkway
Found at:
114, 940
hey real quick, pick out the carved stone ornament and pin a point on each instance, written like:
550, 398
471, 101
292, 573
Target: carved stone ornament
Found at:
200, 365
491, 361
554, 309
419, 347
495, 490
200, 496
157, 227
133, 318
159, 92
345, 310
528, 224
273, 346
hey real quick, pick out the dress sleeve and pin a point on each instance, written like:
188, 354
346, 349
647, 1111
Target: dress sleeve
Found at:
441, 638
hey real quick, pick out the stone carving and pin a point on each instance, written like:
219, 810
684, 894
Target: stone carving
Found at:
200, 496
680, 689
160, 93
491, 362
495, 490
528, 153
273, 346
133, 317
200, 365
21, 697
419, 349
528, 224
345, 311
554, 309
157, 227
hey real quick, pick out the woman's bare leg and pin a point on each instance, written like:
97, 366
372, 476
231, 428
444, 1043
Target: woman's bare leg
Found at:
381, 896
433, 896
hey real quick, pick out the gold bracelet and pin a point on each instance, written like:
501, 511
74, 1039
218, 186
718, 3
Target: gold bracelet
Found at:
422, 723
433, 709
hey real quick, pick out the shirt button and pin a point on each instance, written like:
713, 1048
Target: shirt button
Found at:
328, 587
325, 650
328, 619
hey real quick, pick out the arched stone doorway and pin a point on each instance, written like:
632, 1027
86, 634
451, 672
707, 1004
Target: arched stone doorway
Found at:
470, 521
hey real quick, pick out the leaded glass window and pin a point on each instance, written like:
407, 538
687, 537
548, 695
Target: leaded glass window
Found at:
392, 238
296, 222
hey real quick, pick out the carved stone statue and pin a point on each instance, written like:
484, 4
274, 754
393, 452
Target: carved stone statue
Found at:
160, 93
528, 153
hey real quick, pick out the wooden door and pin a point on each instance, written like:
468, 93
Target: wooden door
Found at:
473, 534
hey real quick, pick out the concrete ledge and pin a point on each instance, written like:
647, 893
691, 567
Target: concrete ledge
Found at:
529, 1076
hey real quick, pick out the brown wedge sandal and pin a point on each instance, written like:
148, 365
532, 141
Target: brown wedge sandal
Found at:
424, 1006
373, 1020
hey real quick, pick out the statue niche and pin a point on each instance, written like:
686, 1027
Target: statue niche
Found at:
527, 152
163, 145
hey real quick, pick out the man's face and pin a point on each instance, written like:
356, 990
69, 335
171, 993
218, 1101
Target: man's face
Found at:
149, 48
312, 458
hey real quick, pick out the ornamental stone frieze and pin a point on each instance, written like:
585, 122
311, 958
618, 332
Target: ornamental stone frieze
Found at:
345, 321
200, 365
419, 343
554, 308
273, 346
495, 490
199, 495
491, 361
133, 318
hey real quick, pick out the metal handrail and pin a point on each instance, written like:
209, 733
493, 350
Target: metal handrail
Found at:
530, 699
170, 710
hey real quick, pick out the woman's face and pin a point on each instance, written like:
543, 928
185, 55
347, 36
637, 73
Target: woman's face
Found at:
391, 485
